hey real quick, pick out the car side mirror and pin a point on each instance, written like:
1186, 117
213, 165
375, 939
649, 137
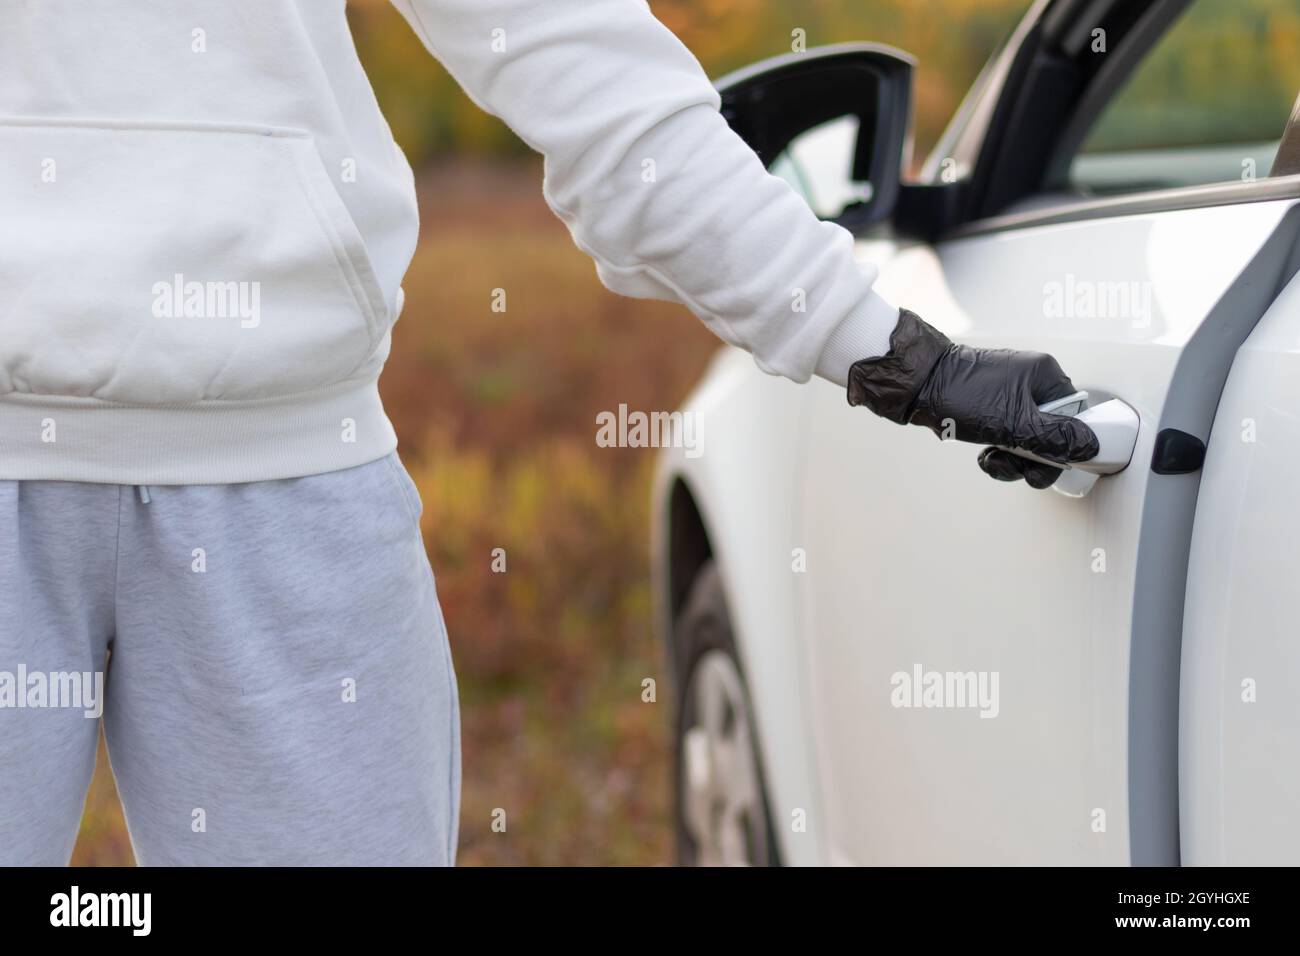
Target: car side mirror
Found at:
832, 121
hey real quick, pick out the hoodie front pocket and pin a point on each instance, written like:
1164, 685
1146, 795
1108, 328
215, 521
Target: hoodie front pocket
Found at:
168, 265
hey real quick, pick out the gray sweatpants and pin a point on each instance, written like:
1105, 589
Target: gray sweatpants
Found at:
277, 684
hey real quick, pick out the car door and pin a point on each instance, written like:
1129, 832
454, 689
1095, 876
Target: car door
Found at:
994, 669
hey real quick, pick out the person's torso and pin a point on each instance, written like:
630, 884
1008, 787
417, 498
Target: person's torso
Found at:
199, 201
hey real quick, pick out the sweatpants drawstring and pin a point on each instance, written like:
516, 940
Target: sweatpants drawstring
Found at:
143, 491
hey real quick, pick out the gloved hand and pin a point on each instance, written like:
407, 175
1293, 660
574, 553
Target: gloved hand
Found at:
975, 395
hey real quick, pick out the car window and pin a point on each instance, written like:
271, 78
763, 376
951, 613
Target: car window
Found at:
1207, 104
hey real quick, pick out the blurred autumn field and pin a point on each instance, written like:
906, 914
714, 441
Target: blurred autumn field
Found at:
496, 414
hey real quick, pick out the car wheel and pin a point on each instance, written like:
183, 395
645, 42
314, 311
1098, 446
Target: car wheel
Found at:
722, 811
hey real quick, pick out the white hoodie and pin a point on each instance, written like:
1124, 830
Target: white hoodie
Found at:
204, 221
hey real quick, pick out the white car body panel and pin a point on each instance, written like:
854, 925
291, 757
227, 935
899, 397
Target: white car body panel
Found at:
738, 481
915, 557
922, 560
1240, 719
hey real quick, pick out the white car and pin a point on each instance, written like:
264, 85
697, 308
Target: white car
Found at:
884, 657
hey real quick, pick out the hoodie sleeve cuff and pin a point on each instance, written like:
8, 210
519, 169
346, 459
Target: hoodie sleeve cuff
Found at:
864, 333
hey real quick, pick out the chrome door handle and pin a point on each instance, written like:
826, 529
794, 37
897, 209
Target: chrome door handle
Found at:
1115, 424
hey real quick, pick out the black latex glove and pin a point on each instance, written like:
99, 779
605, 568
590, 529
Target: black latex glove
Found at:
989, 396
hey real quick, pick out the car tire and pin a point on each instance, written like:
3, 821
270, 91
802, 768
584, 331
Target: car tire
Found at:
721, 805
